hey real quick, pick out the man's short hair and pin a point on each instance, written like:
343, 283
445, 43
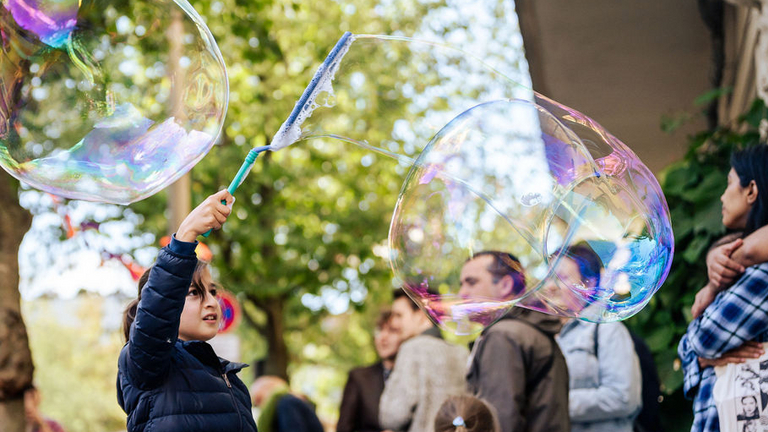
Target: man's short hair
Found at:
505, 264
400, 293
383, 319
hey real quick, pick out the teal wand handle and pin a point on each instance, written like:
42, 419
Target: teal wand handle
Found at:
245, 168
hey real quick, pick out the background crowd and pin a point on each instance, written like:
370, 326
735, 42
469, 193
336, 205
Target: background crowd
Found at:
529, 371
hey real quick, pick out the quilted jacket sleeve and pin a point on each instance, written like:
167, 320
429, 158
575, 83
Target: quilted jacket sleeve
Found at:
156, 327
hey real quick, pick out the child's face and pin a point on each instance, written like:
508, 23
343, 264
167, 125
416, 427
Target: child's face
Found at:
200, 317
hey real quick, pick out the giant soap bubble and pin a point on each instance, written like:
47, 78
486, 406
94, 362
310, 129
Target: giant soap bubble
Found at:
550, 187
107, 100
496, 167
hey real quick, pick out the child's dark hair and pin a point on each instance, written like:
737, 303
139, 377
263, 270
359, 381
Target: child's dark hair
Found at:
130, 311
465, 414
751, 164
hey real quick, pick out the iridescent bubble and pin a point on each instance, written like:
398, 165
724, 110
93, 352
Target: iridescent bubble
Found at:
504, 169
107, 101
515, 176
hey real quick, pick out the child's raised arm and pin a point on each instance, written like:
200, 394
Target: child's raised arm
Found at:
156, 327
726, 262
210, 214
754, 250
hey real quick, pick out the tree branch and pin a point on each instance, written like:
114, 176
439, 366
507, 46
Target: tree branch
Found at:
252, 322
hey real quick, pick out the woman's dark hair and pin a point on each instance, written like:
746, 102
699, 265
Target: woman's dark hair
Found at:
130, 311
588, 261
751, 164
465, 414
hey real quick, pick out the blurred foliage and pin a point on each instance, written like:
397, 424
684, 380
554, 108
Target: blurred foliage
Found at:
672, 122
692, 187
75, 363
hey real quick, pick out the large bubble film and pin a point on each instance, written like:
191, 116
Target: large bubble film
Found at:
422, 84
495, 167
584, 218
107, 100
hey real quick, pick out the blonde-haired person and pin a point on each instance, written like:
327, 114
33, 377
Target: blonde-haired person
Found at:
466, 414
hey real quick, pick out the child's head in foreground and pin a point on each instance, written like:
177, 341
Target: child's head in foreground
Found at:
201, 314
465, 414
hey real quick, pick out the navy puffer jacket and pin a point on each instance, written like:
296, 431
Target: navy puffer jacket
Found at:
165, 384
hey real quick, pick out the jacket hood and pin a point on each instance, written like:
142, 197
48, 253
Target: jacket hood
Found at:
549, 324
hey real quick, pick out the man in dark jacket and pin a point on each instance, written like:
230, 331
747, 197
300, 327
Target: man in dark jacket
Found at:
516, 364
359, 410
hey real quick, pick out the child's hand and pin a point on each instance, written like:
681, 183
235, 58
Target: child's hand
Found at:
704, 298
210, 214
721, 269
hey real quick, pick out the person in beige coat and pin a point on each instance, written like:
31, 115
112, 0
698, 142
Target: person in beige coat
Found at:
427, 371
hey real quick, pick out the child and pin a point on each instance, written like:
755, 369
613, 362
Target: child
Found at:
169, 379
465, 414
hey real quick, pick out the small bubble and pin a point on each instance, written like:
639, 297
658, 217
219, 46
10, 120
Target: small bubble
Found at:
530, 199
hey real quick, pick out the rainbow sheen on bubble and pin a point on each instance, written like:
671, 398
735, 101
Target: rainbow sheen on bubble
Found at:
51, 21
107, 101
494, 166
551, 187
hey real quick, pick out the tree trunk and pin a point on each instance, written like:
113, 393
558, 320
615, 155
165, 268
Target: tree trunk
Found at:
277, 358
276, 362
15, 358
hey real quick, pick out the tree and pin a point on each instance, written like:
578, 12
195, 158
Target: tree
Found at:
15, 358
76, 357
306, 241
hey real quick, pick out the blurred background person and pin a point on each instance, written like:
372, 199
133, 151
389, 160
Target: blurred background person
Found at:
359, 410
466, 414
36, 422
515, 365
428, 370
279, 410
604, 370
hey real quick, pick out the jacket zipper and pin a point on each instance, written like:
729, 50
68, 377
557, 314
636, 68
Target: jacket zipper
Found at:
234, 402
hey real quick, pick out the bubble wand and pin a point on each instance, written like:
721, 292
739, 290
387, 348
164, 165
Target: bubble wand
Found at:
290, 131
242, 173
